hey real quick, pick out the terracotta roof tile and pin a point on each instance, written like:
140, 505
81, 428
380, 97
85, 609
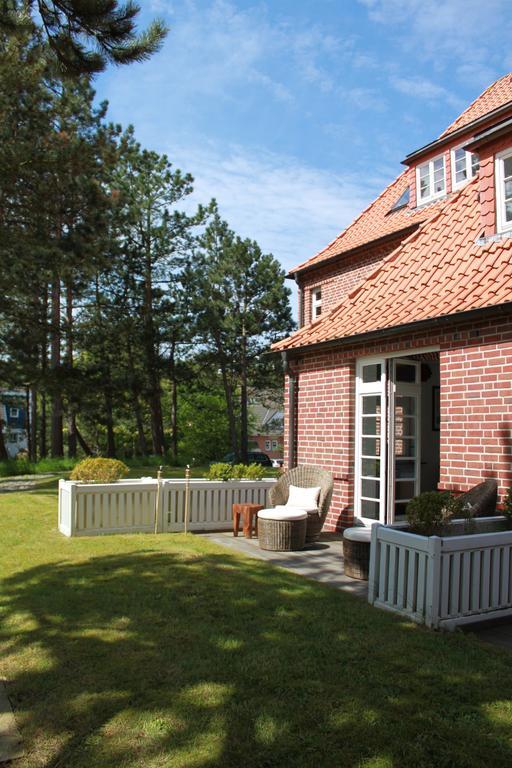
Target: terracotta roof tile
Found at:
375, 222
496, 95
419, 282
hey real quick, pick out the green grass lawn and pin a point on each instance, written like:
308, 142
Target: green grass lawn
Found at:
169, 651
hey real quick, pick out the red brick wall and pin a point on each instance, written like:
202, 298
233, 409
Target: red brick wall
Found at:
476, 408
340, 279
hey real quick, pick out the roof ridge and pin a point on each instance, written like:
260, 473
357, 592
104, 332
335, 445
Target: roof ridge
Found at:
352, 223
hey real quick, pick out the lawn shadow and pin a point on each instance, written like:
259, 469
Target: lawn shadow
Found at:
193, 659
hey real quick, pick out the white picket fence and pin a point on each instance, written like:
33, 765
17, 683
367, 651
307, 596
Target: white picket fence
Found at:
442, 581
130, 506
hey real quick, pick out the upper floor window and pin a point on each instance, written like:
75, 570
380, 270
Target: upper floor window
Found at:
431, 180
504, 190
464, 166
316, 303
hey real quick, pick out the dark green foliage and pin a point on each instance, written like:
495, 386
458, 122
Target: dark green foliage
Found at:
429, 513
85, 35
507, 507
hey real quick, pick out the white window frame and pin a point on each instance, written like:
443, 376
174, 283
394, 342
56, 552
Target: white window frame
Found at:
502, 224
469, 167
268, 445
275, 445
435, 195
14, 413
316, 302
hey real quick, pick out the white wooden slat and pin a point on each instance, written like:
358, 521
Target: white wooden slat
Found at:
495, 576
392, 577
384, 574
505, 578
421, 583
485, 596
476, 579
454, 604
412, 584
465, 586
445, 580
400, 588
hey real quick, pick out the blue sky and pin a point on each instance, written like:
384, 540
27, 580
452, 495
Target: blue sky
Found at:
294, 115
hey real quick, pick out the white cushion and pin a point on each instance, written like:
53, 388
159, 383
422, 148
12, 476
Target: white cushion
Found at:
300, 509
358, 533
281, 513
304, 498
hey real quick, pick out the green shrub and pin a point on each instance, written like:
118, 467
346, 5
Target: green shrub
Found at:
99, 470
429, 513
220, 471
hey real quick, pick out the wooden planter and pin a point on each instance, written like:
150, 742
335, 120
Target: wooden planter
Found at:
443, 581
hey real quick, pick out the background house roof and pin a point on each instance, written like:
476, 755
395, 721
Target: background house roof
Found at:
438, 271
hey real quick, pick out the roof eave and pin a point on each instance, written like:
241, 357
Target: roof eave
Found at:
456, 317
418, 153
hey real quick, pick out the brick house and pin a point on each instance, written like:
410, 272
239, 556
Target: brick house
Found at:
399, 379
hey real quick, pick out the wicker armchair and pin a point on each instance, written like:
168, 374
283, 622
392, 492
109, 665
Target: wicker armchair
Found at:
306, 477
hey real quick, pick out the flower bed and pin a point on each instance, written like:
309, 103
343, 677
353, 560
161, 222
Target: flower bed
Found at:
443, 581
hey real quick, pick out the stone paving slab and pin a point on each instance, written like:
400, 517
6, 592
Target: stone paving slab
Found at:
10, 738
322, 561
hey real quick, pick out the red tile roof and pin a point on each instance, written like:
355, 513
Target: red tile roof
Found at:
496, 95
437, 271
373, 223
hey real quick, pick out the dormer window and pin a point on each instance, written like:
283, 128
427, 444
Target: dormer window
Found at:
431, 180
316, 303
504, 190
464, 166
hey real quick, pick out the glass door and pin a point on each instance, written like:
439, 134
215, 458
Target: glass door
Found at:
404, 436
370, 487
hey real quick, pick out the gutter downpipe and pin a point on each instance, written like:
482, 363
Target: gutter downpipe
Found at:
292, 410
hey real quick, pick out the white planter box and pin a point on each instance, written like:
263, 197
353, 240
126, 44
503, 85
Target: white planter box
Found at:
129, 506
442, 581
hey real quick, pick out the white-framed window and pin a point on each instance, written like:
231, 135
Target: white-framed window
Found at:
504, 190
268, 445
464, 166
316, 303
431, 180
14, 413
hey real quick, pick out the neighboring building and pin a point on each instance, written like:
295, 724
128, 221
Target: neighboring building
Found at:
13, 415
399, 379
267, 432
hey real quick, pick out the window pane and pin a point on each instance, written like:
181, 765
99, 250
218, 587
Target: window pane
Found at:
508, 211
404, 490
371, 404
371, 446
371, 426
405, 469
406, 373
400, 511
507, 167
508, 189
405, 446
404, 426
370, 467
371, 373
405, 406
370, 489
370, 509
460, 154
475, 163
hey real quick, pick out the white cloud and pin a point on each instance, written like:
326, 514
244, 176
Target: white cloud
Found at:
465, 37
422, 88
292, 209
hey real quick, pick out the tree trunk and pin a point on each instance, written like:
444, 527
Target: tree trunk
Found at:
244, 429
3, 450
154, 398
57, 441
33, 425
135, 393
174, 404
72, 440
109, 421
43, 450
83, 445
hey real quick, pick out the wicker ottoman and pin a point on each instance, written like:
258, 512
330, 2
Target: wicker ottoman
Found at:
356, 552
280, 530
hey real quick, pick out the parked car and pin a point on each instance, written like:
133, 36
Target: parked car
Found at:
253, 457
277, 463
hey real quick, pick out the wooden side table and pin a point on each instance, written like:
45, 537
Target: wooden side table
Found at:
249, 514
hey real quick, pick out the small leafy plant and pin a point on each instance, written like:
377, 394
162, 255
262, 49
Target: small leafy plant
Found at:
429, 513
220, 471
97, 470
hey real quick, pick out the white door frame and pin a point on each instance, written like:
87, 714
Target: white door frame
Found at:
380, 388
